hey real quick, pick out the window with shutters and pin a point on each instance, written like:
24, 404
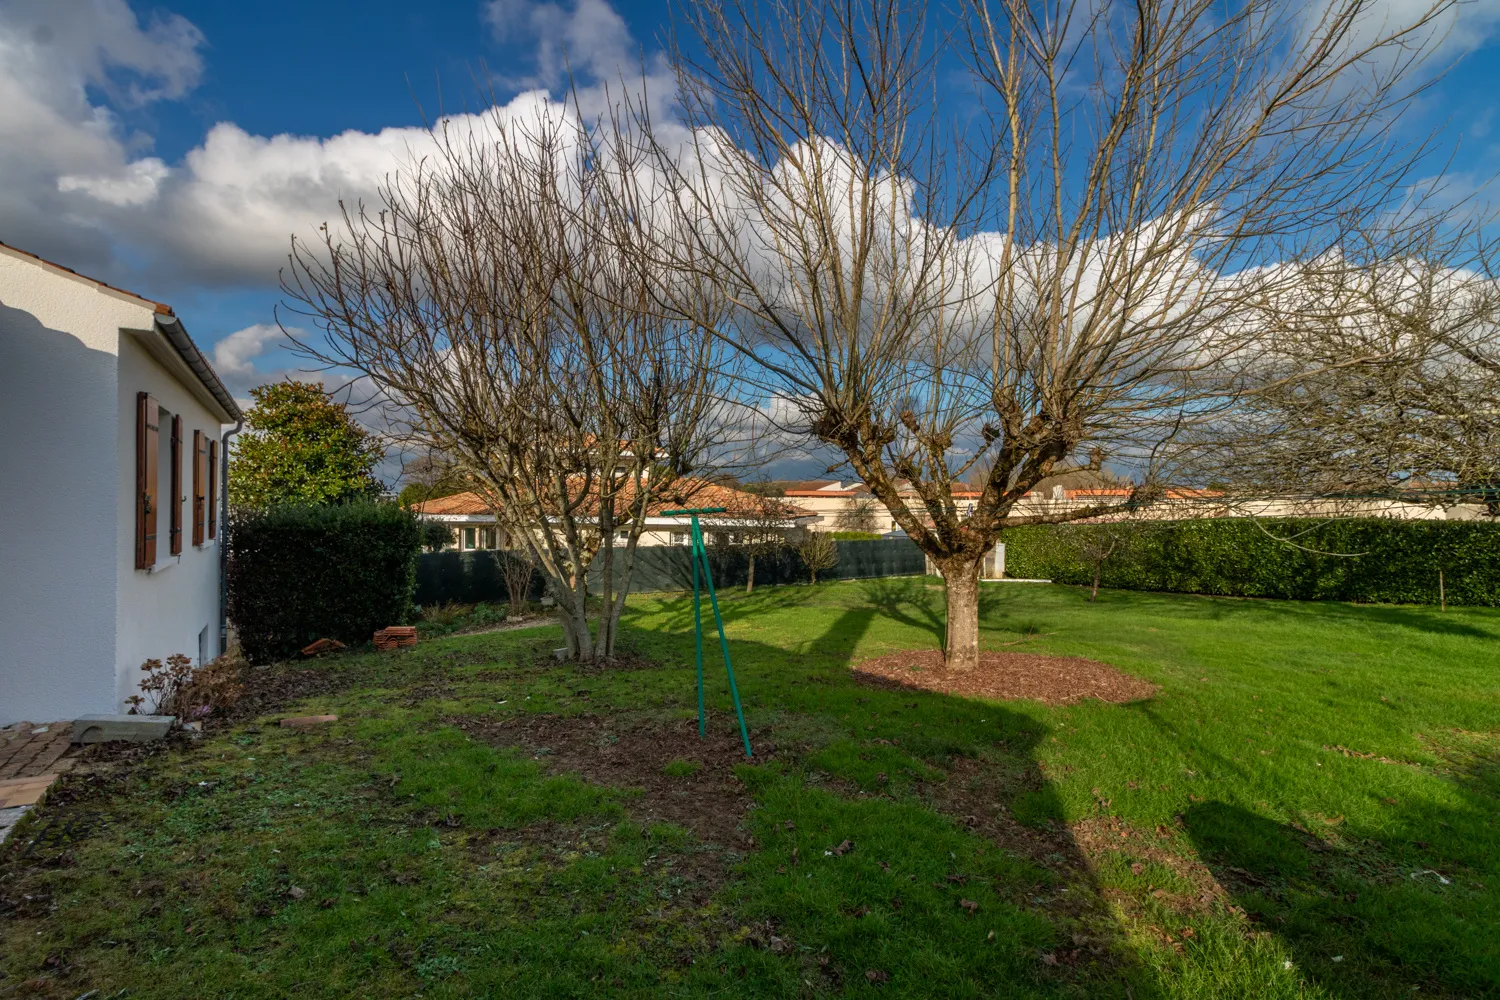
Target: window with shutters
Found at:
213, 488
147, 449
174, 482
200, 483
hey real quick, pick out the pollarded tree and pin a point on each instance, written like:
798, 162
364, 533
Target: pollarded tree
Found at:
497, 298
1059, 280
301, 446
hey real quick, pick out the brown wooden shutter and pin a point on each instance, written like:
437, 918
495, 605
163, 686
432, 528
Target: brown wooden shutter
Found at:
175, 497
146, 445
200, 463
213, 488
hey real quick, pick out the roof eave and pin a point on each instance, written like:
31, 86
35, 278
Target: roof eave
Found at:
176, 334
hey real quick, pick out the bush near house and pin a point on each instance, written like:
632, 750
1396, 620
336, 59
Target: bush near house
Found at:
1368, 560
300, 573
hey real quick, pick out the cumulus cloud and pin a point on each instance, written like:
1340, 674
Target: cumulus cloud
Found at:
51, 56
587, 38
234, 356
226, 213
136, 184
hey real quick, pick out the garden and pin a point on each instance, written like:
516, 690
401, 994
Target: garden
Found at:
1293, 799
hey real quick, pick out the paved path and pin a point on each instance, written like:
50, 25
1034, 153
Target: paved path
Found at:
29, 750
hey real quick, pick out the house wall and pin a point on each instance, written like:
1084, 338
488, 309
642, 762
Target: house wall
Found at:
58, 366
163, 610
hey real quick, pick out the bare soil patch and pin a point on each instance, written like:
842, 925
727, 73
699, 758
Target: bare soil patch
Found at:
711, 801
1053, 680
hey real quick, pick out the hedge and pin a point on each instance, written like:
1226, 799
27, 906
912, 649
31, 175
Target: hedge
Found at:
1397, 561
299, 573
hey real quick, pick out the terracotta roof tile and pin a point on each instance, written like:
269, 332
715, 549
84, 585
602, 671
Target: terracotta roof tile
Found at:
682, 493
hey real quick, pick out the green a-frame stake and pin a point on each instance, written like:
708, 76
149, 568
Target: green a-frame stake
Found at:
700, 557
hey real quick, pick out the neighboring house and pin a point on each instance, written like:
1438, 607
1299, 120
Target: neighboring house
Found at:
475, 527
839, 506
113, 453
832, 501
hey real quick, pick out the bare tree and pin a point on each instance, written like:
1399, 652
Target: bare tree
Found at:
1097, 543
859, 514
497, 299
517, 569
1064, 279
818, 551
1380, 379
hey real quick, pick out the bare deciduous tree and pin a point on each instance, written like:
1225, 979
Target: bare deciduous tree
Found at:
1060, 281
859, 514
1380, 378
818, 551
1097, 543
516, 569
497, 298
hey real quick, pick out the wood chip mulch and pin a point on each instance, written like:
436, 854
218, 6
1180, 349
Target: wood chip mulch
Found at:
1052, 680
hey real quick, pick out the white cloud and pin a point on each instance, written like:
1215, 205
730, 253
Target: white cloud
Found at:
137, 184
234, 356
588, 38
1450, 31
81, 183
51, 55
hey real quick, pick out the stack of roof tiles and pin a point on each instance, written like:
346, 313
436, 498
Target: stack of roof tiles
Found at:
396, 637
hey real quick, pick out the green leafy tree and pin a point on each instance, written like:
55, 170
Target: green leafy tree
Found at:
300, 446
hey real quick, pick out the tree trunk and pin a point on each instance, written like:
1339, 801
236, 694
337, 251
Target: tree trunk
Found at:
1094, 594
750, 576
961, 580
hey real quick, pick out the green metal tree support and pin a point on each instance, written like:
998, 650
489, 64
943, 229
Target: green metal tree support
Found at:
700, 557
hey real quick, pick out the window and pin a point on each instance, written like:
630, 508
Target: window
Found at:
470, 537
682, 538
487, 538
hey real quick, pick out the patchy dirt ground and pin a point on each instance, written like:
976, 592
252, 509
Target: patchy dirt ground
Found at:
710, 801
1052, 680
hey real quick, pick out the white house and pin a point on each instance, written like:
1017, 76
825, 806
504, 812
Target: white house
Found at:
113, 470
475, 527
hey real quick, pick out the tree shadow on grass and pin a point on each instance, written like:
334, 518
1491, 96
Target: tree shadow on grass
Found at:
1361, 915
909, 601
871, 765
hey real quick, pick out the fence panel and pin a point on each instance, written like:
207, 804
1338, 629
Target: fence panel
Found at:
471, 577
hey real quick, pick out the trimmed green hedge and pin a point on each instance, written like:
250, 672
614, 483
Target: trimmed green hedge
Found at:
299, 573
1232, 556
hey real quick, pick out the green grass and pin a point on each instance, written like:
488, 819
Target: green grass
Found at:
1308, 809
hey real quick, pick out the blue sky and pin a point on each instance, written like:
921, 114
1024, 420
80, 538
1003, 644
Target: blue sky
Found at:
171, 148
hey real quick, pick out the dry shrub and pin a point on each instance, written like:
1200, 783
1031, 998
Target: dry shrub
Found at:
178, 688
446, 613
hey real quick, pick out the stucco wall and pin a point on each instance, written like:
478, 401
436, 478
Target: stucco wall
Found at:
58, 344
161, 611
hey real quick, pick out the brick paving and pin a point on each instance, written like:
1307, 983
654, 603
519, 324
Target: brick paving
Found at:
28, 749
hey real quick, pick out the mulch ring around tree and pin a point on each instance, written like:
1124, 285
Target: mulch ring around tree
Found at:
710, 801
1052, 680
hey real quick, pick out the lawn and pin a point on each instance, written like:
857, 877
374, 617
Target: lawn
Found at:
1306, 808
